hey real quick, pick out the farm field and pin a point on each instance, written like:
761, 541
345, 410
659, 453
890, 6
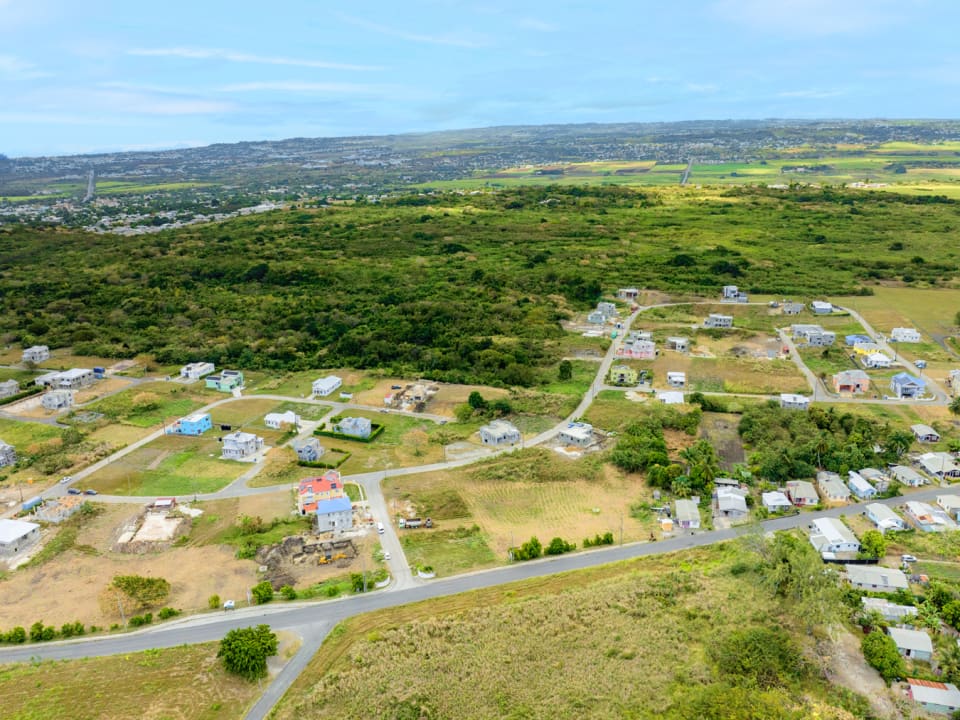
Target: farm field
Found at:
187, 682
443, 658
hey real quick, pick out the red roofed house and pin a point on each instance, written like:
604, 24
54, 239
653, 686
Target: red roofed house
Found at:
314, 489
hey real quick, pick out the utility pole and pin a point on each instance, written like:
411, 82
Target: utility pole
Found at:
621, 528
120, 605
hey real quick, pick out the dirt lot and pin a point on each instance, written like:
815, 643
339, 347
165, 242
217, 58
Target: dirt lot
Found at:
443, 403
726, 373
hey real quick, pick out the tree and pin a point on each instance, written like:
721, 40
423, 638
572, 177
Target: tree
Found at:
955, 405
476, 401
244, 651
559, 546
951, 613
262, 592
765, 656
873, 544
463, 412
881, 652
565, 371
213, 602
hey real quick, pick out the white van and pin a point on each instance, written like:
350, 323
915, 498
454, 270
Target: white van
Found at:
380, 528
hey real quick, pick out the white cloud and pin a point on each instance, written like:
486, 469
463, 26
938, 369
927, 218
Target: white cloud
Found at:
531, 23
13, 68
303, 87
239, 57
466, 39
818, 17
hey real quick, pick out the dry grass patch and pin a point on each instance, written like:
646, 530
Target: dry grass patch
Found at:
187, 683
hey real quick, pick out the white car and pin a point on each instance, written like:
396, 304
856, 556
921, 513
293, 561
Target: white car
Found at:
386, 555
65, 479
908, 558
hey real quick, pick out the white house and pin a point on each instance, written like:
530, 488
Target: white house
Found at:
277, 420
715, 320
877, 360
937, 697
907, 335
358, 427
196, 370
241, 446
884, 517
334, 514
628, 293
17, 536
791, 401
326, 385
813, 335
775, 501
577, 433
499, 432
36, 354
8, 456
915, 644
876, 478
821, 308
802, 493
950, 504
890, 611
670, 397
57, 399
907, 476
8, 388
831, 487
927, 517
939, 464
925, 433
676, 379
876, 577
829, 535
687, 515
731, 502
859, 486
75, 378
678, 343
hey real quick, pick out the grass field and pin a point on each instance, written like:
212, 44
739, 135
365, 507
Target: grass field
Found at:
404, 442
187, 683
148, 404
579, 641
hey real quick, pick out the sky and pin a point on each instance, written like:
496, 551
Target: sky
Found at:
81, 76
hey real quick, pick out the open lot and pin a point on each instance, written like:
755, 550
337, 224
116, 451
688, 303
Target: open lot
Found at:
404, 442
187, 683
148, 404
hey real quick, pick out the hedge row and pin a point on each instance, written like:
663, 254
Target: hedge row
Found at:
35, 390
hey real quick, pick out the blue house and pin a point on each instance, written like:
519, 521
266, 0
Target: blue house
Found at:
905, 385
195, 424
860, 487
852, 340
354, 426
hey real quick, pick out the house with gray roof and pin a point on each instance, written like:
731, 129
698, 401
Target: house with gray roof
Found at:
913, 644
876, 577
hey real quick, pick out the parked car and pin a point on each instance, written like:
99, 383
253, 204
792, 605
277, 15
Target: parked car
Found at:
89, 491
229, 605
386, 554
396, 387
74, 491
908, 558
65, 479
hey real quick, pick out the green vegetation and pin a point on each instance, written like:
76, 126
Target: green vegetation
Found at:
262, 592
249, 534
146, 406
881, 652
244, 651
142, 591
484, 306
448, 551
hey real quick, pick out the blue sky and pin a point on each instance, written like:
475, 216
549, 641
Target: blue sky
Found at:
93, 75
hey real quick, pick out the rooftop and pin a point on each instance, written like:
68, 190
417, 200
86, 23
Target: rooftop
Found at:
11, 530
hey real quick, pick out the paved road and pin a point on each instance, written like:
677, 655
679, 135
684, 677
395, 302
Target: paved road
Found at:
323, 615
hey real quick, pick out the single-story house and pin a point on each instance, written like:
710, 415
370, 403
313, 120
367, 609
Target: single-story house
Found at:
312, 490
334, 514
907, 335
928, 518
832, 488
8, 455
813, 335
859, 486
499, 432
884, 517
731, 502
308, 449
876, 577
829, 535
48, 379
802, 493
277, 420
57, 399
58, 510
865, 348
195, 424
852, 340
821, 308
326, 385
17, 536
939, 464
676, 379
791, 401
775, 501
793, 308
851, 381
925, 433
241, 445
950, 504
36, 354
637, 349
196, 370
914, 644
680, 344
715, 320
686, 515
577, 433
74, 379
876, 478
8, 388
890, 611
608, 309
722, 482
358, 427
731, 292
907, 476
936, 697
639, 335
595, 317
670, 397
906, 385
623, 375
628, 293
877, 360
225, 381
